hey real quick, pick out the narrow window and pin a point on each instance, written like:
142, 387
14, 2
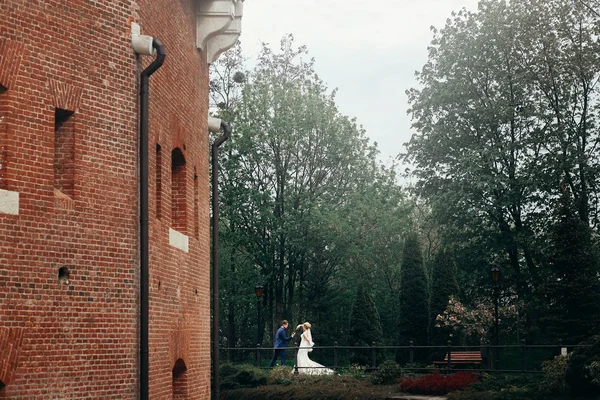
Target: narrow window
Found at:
180, 380
64, 152
3, 140
178, 191
196, 206
158, 181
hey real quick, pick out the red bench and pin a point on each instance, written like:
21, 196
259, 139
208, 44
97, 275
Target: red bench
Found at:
462, 358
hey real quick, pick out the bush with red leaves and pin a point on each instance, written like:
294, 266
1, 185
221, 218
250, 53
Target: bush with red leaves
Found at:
437, 383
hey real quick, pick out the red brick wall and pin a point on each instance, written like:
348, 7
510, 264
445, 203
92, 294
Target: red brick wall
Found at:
80, 339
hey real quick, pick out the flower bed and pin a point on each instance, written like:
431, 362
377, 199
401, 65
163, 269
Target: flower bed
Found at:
437, 383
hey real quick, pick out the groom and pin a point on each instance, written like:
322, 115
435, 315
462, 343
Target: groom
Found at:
280, 345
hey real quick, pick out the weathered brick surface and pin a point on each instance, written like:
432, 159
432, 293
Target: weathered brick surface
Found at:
79, 338
11, 54
11, 340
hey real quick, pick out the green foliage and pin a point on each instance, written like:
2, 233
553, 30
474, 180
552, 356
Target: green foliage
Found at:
497, 382
502, 114
572, 291
311, 388
306, 209
512, 393
235, 376
504, 387
356, 371
579, 377
413, 312
365, 327
506, 108
554, 374
280, 375
444, 284
386, 374
594, 372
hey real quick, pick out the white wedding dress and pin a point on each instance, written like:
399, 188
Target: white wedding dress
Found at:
305, 364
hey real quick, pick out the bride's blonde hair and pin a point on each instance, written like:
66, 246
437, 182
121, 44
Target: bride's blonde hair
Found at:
304, 326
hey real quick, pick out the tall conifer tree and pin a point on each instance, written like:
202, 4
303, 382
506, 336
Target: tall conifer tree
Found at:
572, 292
414, 307
365, 326
443, 285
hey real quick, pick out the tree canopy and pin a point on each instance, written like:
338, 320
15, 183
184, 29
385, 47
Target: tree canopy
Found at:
505, 118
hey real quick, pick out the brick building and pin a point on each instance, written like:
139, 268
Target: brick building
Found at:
69, 196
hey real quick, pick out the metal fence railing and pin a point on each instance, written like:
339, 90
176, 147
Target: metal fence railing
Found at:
516, 358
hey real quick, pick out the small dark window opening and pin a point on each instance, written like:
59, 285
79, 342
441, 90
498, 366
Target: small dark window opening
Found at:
64, 151
158, 181
3, 139
180, 381
64, 275
196, 206
178, 191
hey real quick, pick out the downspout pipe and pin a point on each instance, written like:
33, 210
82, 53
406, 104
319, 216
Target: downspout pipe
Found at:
213, 123
144, 231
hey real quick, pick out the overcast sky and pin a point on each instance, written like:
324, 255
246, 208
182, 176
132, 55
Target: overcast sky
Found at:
369, 50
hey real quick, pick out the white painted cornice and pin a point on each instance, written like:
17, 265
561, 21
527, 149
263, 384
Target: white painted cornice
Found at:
218, 26
212, 18
222, 42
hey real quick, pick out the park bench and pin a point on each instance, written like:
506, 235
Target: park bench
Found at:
462, 358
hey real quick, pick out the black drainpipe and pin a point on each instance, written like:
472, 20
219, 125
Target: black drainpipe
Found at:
144, 256
215, 254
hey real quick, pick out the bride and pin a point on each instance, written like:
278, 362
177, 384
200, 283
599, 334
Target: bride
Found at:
305, 364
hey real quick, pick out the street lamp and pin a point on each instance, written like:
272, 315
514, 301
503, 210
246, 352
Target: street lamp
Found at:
495, 281
258, 290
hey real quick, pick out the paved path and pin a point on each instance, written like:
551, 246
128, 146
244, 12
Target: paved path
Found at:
414, 397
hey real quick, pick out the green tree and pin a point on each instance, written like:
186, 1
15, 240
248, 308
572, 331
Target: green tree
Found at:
365, 327
296, 174
506, 106
227, 79
572, 293
444, 284
414, 308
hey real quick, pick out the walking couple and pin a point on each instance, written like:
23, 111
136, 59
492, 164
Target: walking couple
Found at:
305, 364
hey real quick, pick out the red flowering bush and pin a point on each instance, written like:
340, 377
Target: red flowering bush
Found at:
437, 383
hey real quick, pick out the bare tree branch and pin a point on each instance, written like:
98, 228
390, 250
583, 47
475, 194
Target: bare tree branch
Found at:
590, 8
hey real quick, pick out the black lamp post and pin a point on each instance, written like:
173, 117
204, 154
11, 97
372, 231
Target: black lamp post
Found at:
259, 292
496, 280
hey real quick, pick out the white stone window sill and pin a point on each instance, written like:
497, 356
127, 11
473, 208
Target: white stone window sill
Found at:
9, 202
179, 240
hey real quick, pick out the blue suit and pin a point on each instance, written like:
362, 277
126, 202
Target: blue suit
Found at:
280, 344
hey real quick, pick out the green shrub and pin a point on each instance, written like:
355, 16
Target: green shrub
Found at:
311, 388
578, 376
235, 376
419, 369
280, 375
554, 374
594, 371
388, 373
510, 387
315, 380
356, 371
499, 382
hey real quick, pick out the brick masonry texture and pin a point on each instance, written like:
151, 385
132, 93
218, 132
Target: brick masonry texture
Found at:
78, 337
